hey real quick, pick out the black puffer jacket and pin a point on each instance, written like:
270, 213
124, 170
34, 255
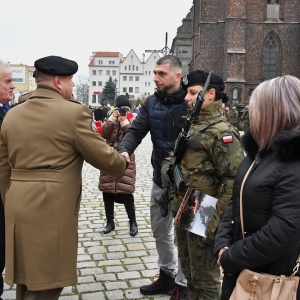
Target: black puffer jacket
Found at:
164, 115
271, 204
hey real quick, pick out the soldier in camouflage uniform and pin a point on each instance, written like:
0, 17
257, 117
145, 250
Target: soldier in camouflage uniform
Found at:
209, 164
245, 118
233, 116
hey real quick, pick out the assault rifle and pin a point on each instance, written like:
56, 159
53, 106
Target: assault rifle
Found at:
174, 172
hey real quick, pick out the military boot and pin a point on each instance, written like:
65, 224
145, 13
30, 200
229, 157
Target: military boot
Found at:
179, 293
163, 285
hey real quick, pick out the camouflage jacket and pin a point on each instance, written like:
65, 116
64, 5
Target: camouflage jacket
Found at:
212, 156
233, 117
245, 118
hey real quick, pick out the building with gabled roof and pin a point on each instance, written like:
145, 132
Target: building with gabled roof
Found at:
130, 74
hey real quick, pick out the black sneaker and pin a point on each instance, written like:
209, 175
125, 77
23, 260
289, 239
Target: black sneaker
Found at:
179, 293
163, 285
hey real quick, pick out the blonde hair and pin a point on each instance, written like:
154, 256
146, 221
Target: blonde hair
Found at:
274, 106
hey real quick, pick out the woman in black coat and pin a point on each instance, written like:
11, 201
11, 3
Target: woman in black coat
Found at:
271, 194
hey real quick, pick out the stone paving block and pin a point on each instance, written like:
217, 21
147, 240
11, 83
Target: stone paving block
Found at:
90, 244
110, 262
151, 265
131, 240
67, 290
86, 264
149, 259
116, 248
106, 277
115, 295
81, 251
114, 269
111, 242
130, 261
145, 233
91, 271
83, 257
115, 255
89, 287
137, 283
133, 294
93, 235
136, 246
76, 297
128, 275
96, 226
136, 253
148, 238
135, 267
93, 296
96, 250
150, 245
116, 285
85, 279
150, 273
98, 256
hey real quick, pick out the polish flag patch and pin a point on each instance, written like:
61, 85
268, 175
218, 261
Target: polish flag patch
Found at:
227, 139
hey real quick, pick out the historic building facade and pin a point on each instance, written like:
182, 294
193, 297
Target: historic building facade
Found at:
246, 41
130, 74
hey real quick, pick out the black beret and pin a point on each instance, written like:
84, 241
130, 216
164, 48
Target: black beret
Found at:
56, 65
199, 77
122, 101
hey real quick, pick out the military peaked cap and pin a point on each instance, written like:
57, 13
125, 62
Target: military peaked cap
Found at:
56, 65
199, 77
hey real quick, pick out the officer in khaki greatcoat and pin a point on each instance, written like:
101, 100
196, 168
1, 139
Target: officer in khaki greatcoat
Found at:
43, 144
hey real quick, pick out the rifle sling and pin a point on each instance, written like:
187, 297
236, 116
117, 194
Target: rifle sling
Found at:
211, 190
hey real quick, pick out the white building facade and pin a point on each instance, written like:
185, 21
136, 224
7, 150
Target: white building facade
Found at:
130, 74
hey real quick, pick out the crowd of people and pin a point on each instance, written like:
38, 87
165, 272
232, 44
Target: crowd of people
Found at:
41, 185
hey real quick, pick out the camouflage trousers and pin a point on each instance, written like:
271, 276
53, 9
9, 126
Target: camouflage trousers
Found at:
199, 266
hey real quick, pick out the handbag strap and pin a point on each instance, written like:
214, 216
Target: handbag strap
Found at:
241, 200
296, 268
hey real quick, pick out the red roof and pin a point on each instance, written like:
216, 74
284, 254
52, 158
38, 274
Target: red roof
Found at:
103, 54
107, 54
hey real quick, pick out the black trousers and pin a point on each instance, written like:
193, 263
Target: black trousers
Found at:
126, 199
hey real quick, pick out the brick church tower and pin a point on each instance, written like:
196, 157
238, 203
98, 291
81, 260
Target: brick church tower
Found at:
246, 42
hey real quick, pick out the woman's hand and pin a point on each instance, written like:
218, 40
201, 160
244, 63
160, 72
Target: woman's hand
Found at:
115, 112
220, 254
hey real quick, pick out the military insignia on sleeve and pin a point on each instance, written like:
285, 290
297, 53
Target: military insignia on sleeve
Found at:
227, 139
93, 126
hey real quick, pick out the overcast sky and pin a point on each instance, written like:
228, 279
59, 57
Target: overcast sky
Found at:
31, 29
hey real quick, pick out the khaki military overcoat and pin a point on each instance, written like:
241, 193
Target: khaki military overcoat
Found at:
46, 140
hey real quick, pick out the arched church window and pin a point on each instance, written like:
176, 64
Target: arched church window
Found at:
270, 57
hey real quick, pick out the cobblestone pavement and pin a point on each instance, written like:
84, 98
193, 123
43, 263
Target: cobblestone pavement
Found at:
115, 265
